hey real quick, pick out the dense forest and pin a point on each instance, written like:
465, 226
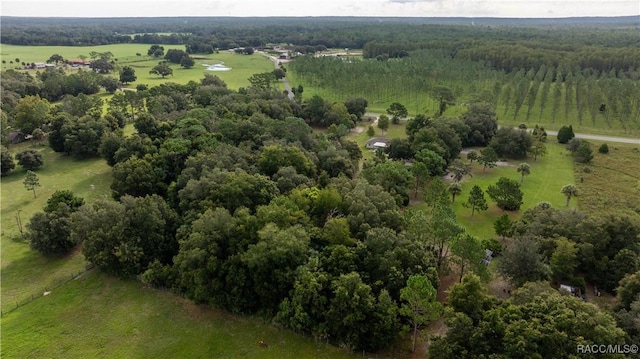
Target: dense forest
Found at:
230, 198
341, 32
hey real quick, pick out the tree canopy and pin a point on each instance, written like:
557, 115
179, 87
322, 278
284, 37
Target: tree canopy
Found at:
506, 193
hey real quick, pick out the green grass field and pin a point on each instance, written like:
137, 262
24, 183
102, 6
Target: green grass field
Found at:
25, 272
548, 175
97, 316
611, 183
242, 66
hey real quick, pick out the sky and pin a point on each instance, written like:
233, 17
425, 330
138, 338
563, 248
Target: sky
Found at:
402, 8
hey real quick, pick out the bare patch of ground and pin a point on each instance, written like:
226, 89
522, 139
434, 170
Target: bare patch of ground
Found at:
605, 301
195, 311
446, 282
500, 287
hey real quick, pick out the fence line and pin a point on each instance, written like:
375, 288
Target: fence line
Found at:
46, 290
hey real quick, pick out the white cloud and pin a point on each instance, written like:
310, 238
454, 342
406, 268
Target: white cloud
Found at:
414, 1
412, 8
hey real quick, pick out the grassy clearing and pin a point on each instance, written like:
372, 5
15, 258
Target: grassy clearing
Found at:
122, 52
97, 316
242, 66
394, 131
25, 272
548, 175
611, 183
422, 104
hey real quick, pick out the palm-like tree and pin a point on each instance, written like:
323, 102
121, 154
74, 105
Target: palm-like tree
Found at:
524, 169
455, 189
569, 191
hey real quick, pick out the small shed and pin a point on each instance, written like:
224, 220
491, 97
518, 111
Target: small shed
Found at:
575, 291
488, 256
16, 136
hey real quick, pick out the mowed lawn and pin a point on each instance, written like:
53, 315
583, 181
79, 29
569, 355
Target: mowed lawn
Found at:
242, 66
548, 175
29, 54
97, 316
26, 272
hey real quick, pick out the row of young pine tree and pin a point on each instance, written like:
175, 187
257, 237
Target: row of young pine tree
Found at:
548, 94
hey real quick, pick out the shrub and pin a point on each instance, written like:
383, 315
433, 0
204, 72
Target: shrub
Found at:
565, 134
573, 145
7, 161
30, 159
604, 148
583, 154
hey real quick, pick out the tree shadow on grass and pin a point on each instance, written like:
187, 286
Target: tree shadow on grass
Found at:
32, 273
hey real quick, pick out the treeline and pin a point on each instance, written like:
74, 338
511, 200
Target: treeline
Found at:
526, 55
564, 247
512, 55
407, 34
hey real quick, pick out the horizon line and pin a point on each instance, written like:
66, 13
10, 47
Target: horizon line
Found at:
321, 16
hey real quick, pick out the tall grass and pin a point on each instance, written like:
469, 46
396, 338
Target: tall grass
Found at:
611, 183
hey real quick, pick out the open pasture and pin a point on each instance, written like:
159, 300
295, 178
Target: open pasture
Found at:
242, 66
97, 316
125, 53
611, 183
26, 272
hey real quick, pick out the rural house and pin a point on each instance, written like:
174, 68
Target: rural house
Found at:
377, 142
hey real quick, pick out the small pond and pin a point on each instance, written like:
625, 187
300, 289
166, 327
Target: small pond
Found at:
218, 67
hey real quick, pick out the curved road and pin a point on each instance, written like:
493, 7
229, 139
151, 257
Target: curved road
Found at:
578, 135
